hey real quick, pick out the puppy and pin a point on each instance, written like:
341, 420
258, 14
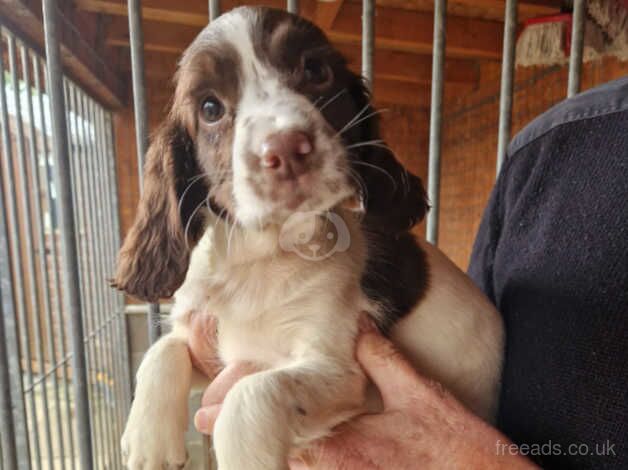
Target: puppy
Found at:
271, 203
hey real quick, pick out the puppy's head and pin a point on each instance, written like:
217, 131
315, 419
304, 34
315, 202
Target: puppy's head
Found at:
266, 121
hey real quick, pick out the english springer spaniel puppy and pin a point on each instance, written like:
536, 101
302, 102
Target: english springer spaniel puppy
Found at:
271, 203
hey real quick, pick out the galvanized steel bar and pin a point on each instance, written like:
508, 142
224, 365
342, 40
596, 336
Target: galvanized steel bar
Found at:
577, 48
68, 246
29, 252
17, 244
368, 40
99, 224
41, 246
11, 310
78, 132
507, 81
8, 457
114, 311
293, 6
54, 261
32, 193
8, 435
111, 343
214, 9
436, 116
136, 37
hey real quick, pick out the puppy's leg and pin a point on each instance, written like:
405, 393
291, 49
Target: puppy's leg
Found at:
154, 434
265, 414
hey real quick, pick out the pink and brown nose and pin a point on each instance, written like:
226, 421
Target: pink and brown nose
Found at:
286, 154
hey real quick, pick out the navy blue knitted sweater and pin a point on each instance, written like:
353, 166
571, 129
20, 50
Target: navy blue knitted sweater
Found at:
552, 254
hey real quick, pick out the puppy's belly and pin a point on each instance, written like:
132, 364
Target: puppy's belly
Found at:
264, 348
268, 341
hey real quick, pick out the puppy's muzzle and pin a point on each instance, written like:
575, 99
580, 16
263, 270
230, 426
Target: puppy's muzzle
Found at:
286, 155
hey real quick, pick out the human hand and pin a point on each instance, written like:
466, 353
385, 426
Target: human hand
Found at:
422, 425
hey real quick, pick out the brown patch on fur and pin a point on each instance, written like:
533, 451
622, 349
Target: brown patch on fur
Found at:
153, 260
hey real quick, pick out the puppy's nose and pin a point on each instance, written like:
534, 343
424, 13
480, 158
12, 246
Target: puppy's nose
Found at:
286, 153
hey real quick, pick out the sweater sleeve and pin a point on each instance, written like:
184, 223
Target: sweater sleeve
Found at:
483, 253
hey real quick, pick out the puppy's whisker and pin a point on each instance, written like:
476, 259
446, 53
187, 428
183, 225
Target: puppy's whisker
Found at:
231, 232
193, 180
333, 98
370, 143
355, 176
349, 124
381, 170
354, 122
189, 222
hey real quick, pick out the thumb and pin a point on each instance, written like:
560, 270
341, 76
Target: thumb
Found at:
393, 375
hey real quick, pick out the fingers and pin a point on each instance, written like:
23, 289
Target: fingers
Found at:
398, 381
215, 393
395, 378
205, 418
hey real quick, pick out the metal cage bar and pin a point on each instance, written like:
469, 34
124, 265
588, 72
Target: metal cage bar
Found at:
18, 269
87, 288
8, 436
293, 6
15, 435
32, 180
577, 48
507, 81
102, 334
436, 118
136, 37
368, 40
69, 252
63, 358
214, 9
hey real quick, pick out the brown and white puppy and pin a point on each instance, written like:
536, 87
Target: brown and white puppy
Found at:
269, 148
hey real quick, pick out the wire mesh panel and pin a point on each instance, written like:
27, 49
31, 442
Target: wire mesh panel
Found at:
41, 395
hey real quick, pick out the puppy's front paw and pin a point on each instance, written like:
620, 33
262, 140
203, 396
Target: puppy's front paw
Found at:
153, 444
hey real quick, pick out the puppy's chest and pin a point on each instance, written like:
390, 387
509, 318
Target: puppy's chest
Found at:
274, 313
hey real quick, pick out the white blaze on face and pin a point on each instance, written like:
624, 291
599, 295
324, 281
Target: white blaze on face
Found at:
268, 106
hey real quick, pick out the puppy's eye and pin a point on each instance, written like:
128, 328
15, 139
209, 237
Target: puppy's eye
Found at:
212, 109
315, 71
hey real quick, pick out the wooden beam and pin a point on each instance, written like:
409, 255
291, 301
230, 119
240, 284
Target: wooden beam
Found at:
82, 58
164, 43
326, 13
411, 94
414, 68
481, 9
398, 30
412, 32
158, 37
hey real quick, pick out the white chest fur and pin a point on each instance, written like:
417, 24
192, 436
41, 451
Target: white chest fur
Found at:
274, 306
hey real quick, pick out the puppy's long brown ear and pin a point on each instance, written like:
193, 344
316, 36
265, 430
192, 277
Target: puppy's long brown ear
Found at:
154, 257
395, 199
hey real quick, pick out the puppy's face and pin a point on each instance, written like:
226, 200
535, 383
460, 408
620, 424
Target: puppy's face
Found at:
267, 121
265, 97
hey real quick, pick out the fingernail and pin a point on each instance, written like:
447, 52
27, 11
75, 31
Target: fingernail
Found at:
201, 421
296, 464
366, 324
